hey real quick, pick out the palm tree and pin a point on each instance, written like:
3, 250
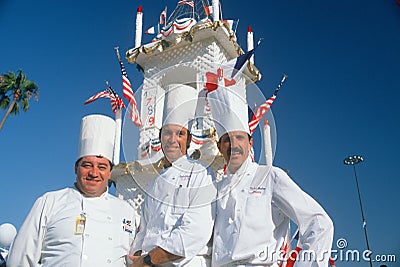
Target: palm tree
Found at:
17, 88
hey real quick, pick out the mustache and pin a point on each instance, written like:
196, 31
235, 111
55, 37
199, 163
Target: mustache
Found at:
91, 176
234, 150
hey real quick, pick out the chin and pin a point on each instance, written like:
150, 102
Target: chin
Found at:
173, 156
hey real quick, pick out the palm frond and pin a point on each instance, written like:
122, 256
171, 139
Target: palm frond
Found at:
19, 78
16, 85
30, 85
9, 81
25, 104
4, 101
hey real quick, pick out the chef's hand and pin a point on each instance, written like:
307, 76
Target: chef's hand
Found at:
137, 261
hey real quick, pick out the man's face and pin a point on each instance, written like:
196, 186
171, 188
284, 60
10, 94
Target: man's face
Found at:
235, 148
174, 140
92, 175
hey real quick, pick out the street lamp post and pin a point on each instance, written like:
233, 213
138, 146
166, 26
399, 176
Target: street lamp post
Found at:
353, 160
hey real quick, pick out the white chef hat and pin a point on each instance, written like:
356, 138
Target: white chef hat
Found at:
97, 137
229, 110
180, 105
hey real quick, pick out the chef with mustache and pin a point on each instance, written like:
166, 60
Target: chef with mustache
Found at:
255, 202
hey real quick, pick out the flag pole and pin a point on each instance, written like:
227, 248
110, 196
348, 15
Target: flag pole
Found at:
117, 143
118, 125
280, 84
237, 23
353, 160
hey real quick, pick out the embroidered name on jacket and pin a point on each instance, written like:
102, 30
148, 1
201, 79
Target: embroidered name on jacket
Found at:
257, 189
127, 226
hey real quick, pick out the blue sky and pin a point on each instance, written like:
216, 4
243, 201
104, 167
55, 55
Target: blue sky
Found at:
342, 58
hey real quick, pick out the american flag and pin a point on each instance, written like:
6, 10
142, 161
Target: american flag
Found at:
163, 16
128, 94
185, 2
115, 100
263, 108
97, 96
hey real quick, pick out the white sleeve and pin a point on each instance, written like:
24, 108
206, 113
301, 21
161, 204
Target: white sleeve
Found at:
27, 246
196, 226
315, 226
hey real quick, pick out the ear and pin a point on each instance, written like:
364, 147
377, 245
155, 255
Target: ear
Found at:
188, 140
219, 146
251, 143
77, 164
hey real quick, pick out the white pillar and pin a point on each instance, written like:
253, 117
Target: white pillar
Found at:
250, 42
215, 8
139, 26
117, 142
267, 143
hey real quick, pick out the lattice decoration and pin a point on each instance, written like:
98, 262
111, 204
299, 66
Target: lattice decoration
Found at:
201, 55
128, 177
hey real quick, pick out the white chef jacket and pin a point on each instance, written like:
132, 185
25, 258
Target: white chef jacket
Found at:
252, 218
178, 212
48, 238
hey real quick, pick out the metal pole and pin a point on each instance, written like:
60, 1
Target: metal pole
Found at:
353, 160
362, 214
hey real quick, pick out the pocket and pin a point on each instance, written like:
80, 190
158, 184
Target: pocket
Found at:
258, 208
256, 226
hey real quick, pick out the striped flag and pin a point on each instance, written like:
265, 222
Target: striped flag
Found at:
263, 108
128, 94
115, 100
185, 2
97, 96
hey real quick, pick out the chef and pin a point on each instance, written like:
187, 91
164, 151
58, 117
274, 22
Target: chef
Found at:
178, 213
255, 202
82, 225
